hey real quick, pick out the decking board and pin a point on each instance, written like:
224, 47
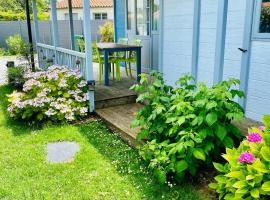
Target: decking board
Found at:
119, 118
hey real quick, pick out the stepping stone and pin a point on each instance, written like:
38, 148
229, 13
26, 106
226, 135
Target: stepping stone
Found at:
61, 152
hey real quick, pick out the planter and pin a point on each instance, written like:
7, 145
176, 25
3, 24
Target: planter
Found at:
10, 64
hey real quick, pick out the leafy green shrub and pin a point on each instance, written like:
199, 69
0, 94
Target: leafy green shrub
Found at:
16, 76
7, 16
246, 173
107, 32
3, 52
16, 45
58, 95
187, 126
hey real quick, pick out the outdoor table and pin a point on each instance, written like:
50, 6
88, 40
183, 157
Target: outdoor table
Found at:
114, 47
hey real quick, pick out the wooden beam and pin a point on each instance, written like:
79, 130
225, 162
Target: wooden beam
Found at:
30, 38
54, 25
220, 40
35, 17
71, 25
245, 62
88, 51
196, 38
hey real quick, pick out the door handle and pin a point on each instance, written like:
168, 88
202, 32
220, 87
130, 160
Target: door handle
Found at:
243, 50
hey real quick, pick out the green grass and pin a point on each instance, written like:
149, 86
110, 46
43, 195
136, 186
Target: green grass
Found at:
104, 168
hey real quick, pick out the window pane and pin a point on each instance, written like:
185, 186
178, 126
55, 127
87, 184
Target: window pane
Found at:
104, 16
155, 15
97, 16
130, 14
143, 19
265, 17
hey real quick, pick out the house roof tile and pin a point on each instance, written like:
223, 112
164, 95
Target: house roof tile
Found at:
78, 4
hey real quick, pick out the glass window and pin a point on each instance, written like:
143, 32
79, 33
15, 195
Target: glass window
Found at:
155, 15
104, 16
100, 16
143, 17
265, 17
97, 16
130, 14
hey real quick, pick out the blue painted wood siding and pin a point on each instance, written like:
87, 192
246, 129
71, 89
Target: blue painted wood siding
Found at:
177, 49
120, 18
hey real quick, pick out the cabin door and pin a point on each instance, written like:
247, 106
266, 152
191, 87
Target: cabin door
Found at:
142, 23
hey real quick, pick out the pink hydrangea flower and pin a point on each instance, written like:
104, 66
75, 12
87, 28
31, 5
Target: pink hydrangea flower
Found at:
246, 157
262, 128
254, 137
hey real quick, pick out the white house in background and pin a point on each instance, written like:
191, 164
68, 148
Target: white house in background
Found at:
100, 9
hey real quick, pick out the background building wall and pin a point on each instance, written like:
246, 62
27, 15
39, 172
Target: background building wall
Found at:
61, 13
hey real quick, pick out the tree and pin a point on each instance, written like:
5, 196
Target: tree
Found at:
18, 6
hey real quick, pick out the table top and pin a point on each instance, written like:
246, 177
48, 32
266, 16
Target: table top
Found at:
110, 45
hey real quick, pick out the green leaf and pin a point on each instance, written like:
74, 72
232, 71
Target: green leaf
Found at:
211, 118
160, 175
181, 120
266, 120
236, 174
240, 184
181, 166
210, 105
266, 186
199, 154
255, 193
265, 152
213, 186
221, 132
228, 142
208, 146
219, 167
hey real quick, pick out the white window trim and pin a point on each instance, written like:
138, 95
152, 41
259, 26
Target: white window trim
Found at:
101, 17
256, 23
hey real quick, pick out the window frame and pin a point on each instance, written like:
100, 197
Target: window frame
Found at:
256, 35
101, 15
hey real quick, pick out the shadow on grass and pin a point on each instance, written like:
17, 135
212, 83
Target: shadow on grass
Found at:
129, 165
18, 127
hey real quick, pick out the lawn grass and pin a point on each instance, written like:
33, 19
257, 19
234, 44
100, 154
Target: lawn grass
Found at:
104, 168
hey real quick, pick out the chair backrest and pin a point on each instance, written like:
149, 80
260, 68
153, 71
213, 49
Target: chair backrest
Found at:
123, 41
136, 42
79, 43
95, 52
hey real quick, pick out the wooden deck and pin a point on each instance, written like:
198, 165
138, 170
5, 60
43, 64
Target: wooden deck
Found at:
119, 118
118, 93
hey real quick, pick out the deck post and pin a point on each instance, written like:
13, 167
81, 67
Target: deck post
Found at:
245, 62
220, 40
88, 51
71, 25
196, 39
54, 25
35, 17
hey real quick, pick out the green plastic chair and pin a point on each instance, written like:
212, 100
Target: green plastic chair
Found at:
129, 58
97, 57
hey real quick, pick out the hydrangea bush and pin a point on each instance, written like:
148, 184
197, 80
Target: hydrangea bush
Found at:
58, 94
246, 173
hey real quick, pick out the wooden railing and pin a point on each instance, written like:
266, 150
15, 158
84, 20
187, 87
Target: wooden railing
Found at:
49, 55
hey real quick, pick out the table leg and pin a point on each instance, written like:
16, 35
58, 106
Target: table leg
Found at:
106, 66
139, 64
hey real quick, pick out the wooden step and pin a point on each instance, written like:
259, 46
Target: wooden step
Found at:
117, 93
119, 118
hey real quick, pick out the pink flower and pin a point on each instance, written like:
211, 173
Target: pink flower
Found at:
246, 157
254, 137
262, 128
